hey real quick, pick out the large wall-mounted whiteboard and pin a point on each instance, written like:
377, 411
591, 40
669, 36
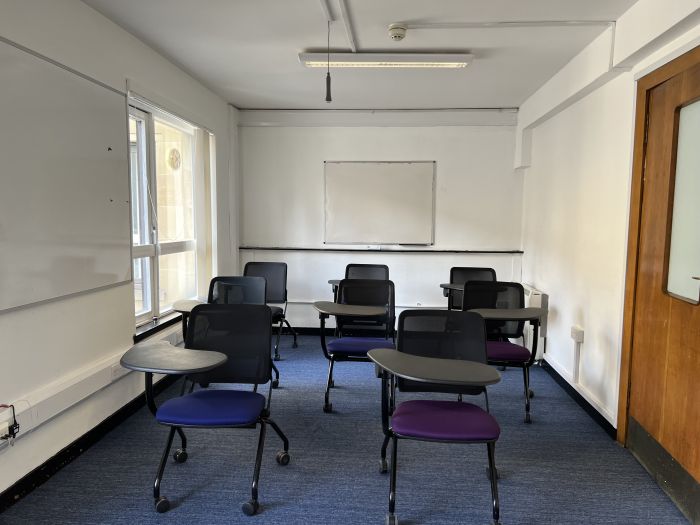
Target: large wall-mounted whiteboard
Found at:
379, 202
64, 199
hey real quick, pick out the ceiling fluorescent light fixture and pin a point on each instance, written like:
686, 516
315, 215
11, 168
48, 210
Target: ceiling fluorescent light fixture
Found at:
387, 60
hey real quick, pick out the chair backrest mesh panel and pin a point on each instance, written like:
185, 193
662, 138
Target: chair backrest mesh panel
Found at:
367, 292
237, 290
462, 274
275, 275
242, 332
444, 334
367, 271
498, 294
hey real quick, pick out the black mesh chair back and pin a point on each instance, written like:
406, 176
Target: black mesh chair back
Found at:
275, 275
237, 290
367, 271
497, 294
462, 274
367, 292
242, 332
445, 334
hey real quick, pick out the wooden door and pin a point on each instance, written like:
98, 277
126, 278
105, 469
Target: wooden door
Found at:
661, 347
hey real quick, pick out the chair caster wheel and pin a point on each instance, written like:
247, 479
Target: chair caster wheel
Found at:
528, 419
328, 408
275, 383
162, 504
502, 368
250, 508
283, 457
383, 466
180, 455
531, 393
391, 519
276, 358
294, 344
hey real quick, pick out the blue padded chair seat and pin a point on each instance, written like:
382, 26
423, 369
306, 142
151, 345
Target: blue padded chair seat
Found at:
357, 345
444, 421
212, 408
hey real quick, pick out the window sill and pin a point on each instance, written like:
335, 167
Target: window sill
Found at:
147, 330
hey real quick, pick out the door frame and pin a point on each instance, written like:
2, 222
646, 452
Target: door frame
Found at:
644, 85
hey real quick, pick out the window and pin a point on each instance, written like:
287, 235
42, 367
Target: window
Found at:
168, 173
683, 276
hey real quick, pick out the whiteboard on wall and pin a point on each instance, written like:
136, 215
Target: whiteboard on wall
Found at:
380, 202
64, 202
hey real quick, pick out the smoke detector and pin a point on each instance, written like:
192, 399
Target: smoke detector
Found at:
397, 32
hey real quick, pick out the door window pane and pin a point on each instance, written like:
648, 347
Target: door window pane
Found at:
174, 180
177, 276
684, 254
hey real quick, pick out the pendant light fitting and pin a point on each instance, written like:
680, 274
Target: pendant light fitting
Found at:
328, 65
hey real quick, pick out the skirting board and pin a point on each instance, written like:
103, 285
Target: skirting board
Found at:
590, 409
581, 390
50, 467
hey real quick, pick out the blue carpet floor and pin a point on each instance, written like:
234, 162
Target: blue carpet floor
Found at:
561, 469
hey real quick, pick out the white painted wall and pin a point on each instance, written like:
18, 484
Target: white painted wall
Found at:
55, 354
576, 190
574, 232
478, 203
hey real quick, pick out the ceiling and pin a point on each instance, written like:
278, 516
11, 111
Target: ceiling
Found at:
247, 50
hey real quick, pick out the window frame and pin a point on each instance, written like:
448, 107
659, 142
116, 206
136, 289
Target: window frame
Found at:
151, 248
147, 247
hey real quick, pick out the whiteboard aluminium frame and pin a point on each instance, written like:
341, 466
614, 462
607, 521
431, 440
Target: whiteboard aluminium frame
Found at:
433, 204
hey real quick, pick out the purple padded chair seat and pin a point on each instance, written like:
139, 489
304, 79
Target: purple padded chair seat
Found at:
506, 351
444, 421
212, 408
357, 345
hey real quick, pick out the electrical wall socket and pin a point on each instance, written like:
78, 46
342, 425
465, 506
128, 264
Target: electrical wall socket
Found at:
577, 334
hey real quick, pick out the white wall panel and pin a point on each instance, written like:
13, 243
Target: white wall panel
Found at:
574, 235
477, 204
478, 195
64, 213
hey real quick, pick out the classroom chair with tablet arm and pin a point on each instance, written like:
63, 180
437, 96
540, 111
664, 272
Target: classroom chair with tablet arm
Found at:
241, 332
